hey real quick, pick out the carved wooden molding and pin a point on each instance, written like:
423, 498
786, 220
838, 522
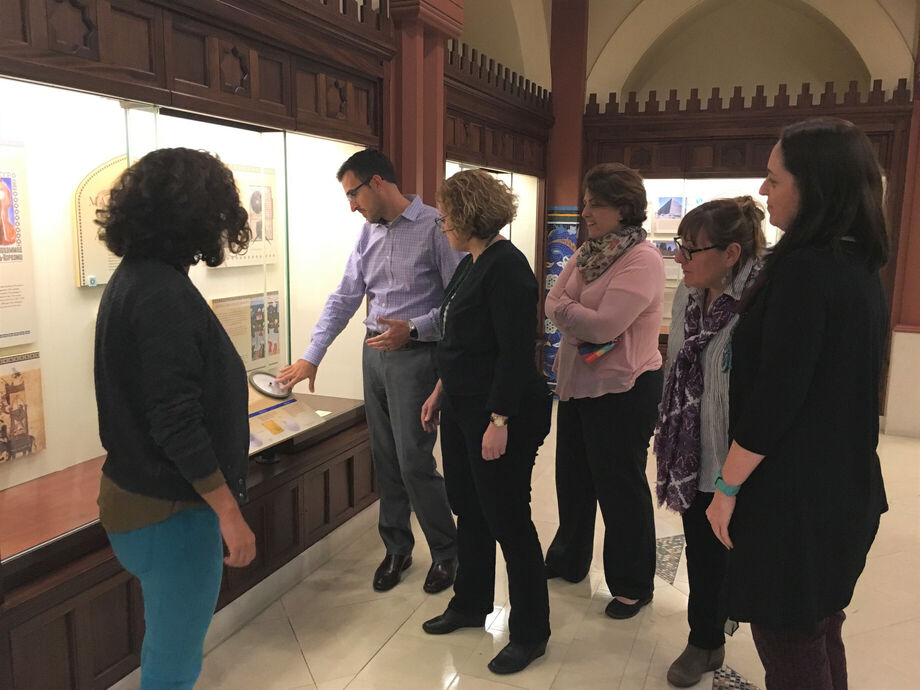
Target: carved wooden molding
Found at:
444, 16
468, 66
829, 98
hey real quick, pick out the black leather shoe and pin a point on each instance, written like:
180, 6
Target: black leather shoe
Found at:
390, 570
452, 620
617, 609
440, 576
516, 656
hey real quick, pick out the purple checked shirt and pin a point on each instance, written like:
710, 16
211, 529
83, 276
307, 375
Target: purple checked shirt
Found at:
403, 269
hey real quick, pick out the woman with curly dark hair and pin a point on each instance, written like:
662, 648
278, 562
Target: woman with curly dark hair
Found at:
172, 400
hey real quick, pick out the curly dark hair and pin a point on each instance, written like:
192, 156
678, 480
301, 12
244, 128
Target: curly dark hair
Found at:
177, 205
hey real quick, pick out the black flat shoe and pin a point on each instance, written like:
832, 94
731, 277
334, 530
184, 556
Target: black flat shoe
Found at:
617, 609
452, 620
440, 576
390, 571
516, 656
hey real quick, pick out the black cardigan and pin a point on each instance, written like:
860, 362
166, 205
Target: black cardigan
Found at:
170, 388
806, 362
487, 343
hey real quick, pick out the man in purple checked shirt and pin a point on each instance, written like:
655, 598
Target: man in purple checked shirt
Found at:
402, 263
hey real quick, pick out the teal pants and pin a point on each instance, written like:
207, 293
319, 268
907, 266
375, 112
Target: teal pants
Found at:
179, 563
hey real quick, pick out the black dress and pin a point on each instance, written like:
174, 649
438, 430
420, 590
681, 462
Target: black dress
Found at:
486, 363
806, 363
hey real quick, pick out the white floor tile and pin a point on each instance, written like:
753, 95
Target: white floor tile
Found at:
332, 631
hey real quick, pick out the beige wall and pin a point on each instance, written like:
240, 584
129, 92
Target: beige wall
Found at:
663, 44
728, 44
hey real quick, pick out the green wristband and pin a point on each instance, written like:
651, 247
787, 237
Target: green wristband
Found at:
726, 489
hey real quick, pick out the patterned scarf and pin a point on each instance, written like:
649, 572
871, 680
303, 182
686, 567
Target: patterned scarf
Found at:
677, 433
597, 255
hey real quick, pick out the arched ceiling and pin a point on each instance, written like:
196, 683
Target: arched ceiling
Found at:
873, 30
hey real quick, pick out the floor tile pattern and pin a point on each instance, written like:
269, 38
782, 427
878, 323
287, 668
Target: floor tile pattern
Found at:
670, 549
333, 632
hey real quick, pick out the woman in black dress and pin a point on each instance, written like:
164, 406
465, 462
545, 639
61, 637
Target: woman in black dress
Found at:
494, 412
806, 360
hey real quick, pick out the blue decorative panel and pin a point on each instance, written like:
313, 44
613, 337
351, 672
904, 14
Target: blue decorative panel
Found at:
561, 236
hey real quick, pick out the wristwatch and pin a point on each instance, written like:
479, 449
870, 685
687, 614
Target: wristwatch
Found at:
498, 419
413, 331
726, 489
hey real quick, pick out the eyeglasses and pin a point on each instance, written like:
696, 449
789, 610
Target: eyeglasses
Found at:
688, 253
439, 222
353, 193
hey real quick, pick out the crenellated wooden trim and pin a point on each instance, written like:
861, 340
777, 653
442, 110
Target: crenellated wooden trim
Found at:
466, 65
715, 104
495, 118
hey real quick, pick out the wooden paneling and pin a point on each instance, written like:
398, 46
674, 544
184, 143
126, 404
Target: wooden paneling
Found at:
495, 118
81, 624
213, 57
337, 101
13, 26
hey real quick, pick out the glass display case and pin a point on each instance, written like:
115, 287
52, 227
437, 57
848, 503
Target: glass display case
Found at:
60, 151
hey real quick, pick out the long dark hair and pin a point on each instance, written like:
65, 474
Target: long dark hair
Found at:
840, 190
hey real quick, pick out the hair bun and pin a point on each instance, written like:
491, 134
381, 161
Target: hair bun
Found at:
752, 209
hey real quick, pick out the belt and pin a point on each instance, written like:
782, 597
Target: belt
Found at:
410, 344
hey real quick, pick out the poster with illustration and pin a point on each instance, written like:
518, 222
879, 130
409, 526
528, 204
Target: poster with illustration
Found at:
258, 193
17, 302
22, 421
95, 263
253, 324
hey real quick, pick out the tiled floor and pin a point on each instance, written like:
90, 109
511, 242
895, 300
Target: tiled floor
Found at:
332, 631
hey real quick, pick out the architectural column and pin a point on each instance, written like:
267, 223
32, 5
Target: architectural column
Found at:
415, 139
565, 151
903, 399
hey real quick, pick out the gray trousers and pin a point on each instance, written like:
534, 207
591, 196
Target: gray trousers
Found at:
396, 384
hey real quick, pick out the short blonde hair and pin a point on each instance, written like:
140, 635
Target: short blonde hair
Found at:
477, 204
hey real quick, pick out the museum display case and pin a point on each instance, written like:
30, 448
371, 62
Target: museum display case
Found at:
311, 466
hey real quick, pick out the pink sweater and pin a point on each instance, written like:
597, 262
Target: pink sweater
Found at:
625, 301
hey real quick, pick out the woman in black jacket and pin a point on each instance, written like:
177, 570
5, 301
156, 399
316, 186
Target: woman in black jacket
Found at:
494, 413
172, 399
806, 361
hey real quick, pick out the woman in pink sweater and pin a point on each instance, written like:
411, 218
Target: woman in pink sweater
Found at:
609, 293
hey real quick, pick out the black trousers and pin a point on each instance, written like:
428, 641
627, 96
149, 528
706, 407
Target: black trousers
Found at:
707, 562
601, 454
492, 502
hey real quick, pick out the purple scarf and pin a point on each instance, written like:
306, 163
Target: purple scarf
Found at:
677, 434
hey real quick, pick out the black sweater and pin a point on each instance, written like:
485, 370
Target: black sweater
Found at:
487, 343
806, 361
170, 388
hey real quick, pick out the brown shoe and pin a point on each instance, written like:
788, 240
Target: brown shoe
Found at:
440, 576
390, 571
693, 662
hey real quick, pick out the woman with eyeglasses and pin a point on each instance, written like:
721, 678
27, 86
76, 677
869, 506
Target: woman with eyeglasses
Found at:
607, 304
800, 495
719, 247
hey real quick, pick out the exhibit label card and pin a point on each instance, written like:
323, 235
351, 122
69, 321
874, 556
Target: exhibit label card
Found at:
253, 323
95, 263
17, 300
22, 420
258, 193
